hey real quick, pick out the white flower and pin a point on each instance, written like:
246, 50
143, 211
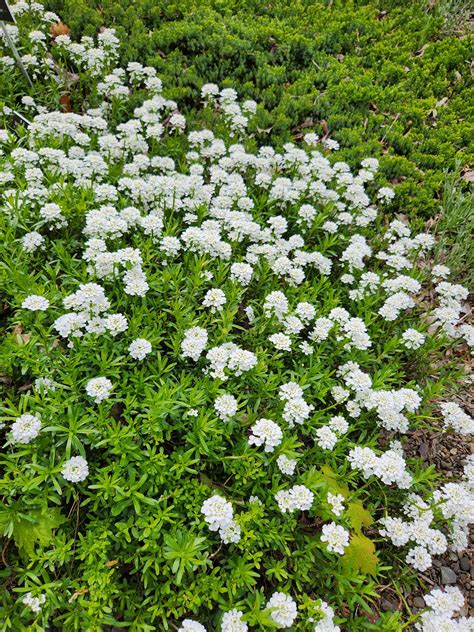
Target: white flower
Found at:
284, 610
75, 469
232, 622
412, 339
440, 272
45, 384
457, 419
446, 601
338, 424
297, 497
177, 122
286, 465
419, 558
34, 603
25, 428
396, 530
290, 390
241, 272
32, 241
337, 537
225, 406
215, 299
337, 503
275, 303
250, 313
281, 341
99, 388
139, 348
35, 303
326, 438
326, 621
230, 533
296, 410
194, 343
385, 194
217, 512
267, 433
189, 625
116, 324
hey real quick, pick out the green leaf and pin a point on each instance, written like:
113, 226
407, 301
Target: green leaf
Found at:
37, 528
334, 485
360, 554
358, 516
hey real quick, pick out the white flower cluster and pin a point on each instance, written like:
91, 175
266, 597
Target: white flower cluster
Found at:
99, 388
231, 357
448, 314
297, 497
214, 299
286, 465
139, 348
336, 537
456, 504
35, 303
194, 343
413, 339
189, 625
352, 331
443, 604
328, 435
283, 609
336, 502
456, 418
325, 621
219, 515
232, 622
390, 467
34, 603
389, 405
267, 433
226, 101
296, 410
25, 428
225, 406
76, 469
90, 315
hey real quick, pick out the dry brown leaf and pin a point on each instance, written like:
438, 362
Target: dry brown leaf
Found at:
59, 29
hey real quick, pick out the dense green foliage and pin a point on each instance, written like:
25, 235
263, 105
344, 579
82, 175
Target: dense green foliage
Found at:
387, 79
128, 544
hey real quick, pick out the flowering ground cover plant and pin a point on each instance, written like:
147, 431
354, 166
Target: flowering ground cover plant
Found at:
386, 78
214, 353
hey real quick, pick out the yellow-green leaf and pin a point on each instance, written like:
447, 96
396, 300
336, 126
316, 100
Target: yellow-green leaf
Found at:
334, 485
360, 554
38, 529
358, 516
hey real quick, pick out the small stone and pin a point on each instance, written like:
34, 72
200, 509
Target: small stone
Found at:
423, 450
388, 605
465, 563
448, 576
419, 602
